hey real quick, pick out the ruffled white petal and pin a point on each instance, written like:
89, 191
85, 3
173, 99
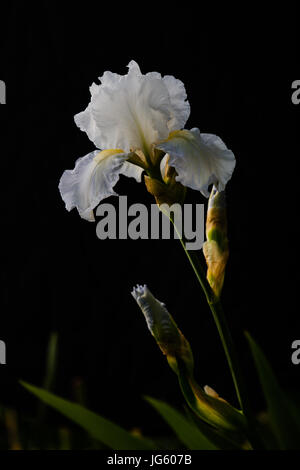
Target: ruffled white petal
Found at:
93, 179
86, 122
133, 111
199, 159
181, 107
132, 171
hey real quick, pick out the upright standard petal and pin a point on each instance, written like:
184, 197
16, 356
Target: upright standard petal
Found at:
133, 111
93, 179
181, 107
199, 159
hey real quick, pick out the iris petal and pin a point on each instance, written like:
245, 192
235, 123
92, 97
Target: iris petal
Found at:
94, 178
199, 159
133, 111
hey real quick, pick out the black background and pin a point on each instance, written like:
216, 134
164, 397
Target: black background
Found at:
56, 275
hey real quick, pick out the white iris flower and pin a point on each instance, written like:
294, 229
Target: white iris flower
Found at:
131, 119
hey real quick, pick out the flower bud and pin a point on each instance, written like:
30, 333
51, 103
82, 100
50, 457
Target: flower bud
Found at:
215, 249
205, 403
164, 329
167, 190
212, 393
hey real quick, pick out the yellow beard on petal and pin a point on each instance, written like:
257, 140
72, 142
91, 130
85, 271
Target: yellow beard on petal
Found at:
106, 153
184, 133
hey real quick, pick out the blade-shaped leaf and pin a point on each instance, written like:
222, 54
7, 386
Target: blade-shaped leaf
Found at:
98, 427
281, 419
218, 437
213, 411
186, 432
51, 364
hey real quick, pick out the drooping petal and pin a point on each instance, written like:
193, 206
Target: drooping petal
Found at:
199, 159
93, 179
133, 111
132, 171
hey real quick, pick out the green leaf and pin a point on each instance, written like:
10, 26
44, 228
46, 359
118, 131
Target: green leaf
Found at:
281, 419
223, 440
51, 364
213, 411
186, 432
98, 427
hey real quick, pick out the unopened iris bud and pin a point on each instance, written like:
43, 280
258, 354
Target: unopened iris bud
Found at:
164, 329
205, 403
165, 188
212, 393
165, 193
215, 249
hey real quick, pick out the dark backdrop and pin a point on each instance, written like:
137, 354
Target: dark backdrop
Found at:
58, 276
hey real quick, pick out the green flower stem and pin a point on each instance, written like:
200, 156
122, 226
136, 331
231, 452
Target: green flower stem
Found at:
220, 321
223, 329
226, 339
227, 342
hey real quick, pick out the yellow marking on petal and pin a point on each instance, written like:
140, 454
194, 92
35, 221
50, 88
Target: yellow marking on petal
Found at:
106, 153
183, 134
